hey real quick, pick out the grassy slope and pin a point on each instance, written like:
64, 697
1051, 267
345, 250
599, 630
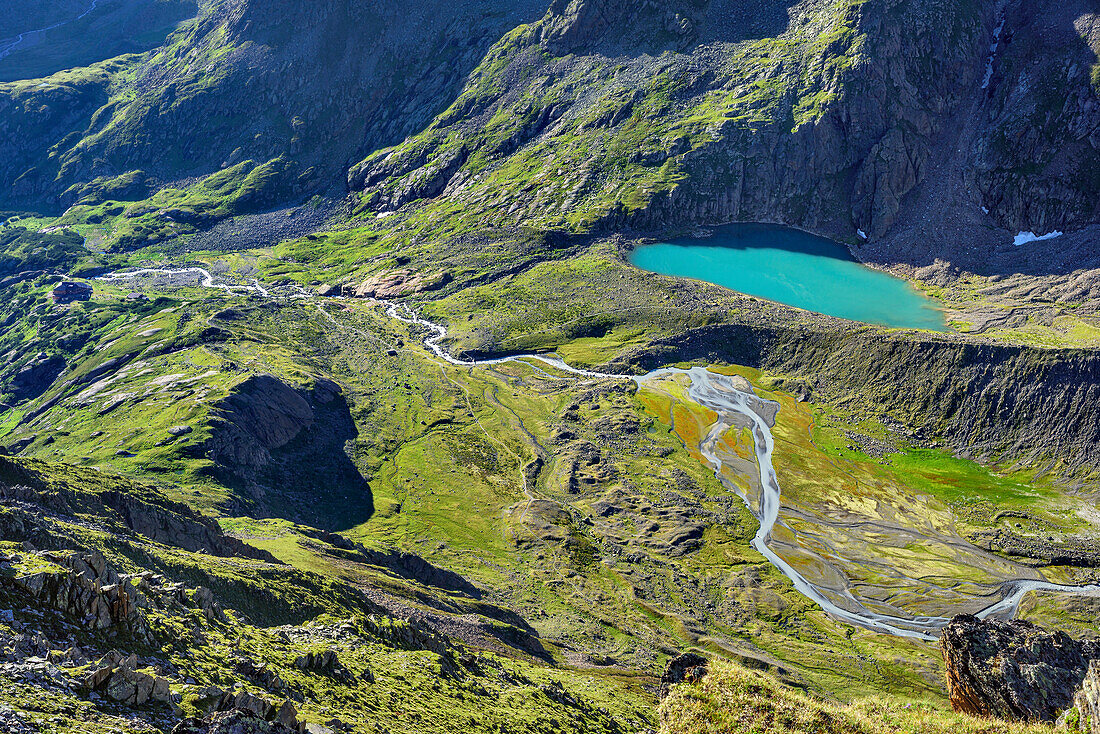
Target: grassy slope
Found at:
732, 700
406, 681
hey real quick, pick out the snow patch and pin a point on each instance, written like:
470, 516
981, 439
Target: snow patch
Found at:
383, 215
862, 234
985, 210
1025, 237
993, 52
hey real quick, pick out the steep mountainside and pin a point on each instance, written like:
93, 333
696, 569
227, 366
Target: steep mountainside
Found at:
319, 83
837, 116
43, 38
673, 115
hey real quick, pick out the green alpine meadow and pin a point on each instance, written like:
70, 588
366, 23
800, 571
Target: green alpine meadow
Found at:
549, 367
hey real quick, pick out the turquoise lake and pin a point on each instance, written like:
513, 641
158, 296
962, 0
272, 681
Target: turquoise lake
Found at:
795, 268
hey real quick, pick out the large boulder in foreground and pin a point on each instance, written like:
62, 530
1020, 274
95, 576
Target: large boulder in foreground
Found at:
1088, 701
1013, 670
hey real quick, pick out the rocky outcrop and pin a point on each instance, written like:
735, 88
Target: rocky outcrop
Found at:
109, 605
1036, 168
240, 713
118, 678
34, 377
686, 667
1013, 670
1087, 700
325, 662
398, 283
266, 430
236, 722
91, 592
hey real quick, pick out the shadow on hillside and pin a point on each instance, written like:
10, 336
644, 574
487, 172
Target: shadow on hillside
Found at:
283, 452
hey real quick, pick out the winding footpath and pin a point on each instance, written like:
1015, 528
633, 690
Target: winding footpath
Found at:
733, 406
13, 43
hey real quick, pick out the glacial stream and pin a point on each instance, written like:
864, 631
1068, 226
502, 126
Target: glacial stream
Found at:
719, 393
734, 406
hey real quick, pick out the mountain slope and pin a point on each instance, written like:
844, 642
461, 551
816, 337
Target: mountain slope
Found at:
318, 83
661, 119
835, 116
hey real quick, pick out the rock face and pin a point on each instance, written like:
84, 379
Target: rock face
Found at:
262, 414
1013, 670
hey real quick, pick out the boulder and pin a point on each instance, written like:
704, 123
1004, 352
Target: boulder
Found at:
203, 598
118, 679
261, 675
326, 662
397, 283
686, 667
1013, 670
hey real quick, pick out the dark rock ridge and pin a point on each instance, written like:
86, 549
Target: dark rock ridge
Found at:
989, 400
1013, 670
402, 563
